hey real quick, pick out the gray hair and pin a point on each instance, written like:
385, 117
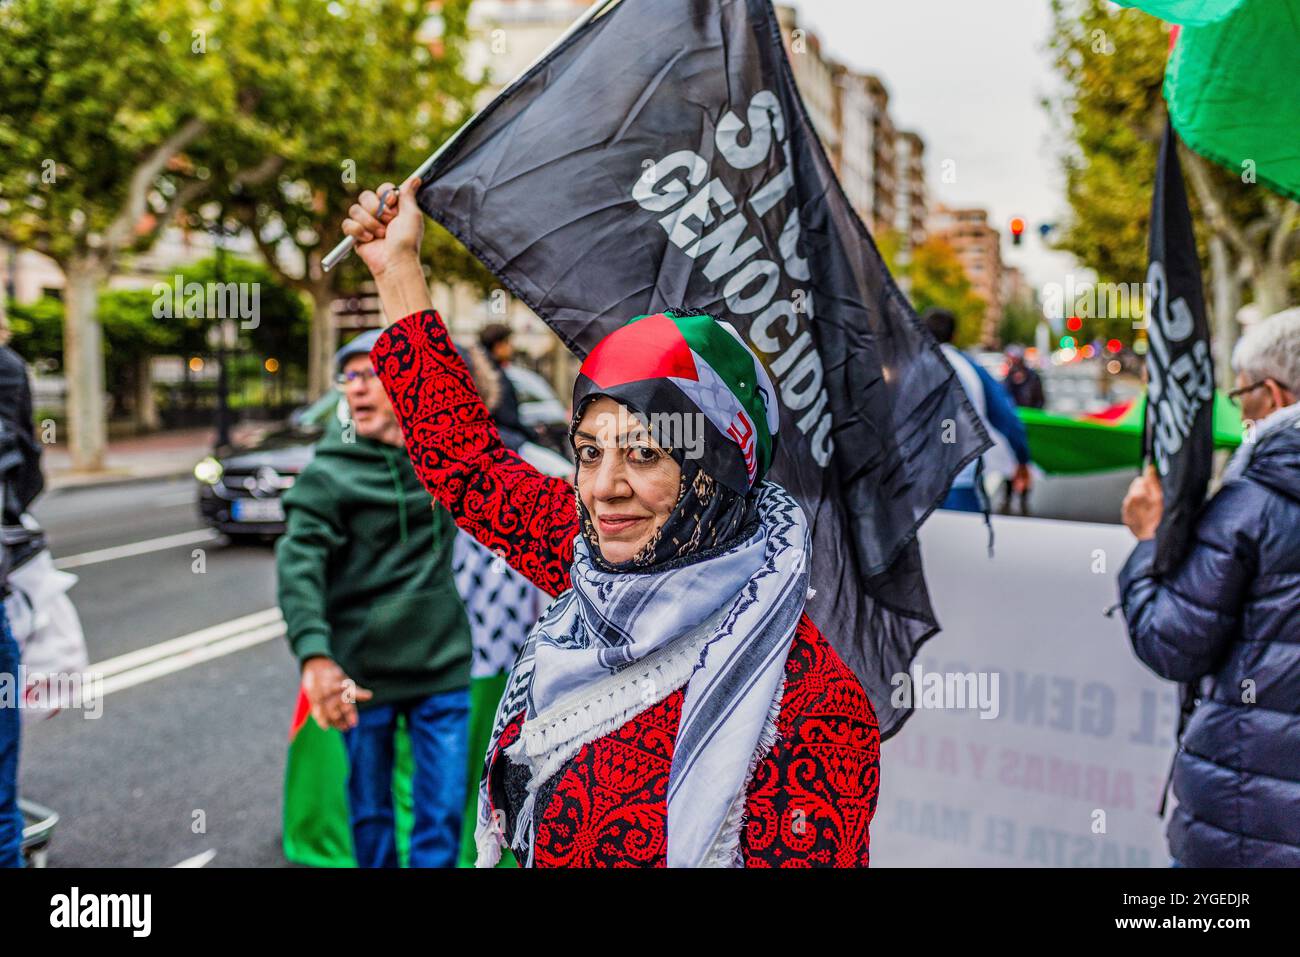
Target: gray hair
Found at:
1270, 349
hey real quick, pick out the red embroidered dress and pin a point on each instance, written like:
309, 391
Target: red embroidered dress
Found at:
811, 799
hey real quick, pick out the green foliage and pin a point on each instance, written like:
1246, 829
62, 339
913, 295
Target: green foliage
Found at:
91, 89
1111, 118
116, 116
132, 332
343, 96
1019, 323
937, 280
1112, 61
282, 320
37, 328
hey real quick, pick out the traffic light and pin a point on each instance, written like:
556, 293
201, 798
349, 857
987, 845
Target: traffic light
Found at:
1017, 230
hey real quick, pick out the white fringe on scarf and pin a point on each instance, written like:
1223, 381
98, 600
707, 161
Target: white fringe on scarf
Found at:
726, 848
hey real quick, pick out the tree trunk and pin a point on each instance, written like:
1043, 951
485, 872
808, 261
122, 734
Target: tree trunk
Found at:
146, 407
322, 342
1270, 285
83, 363
1225, 289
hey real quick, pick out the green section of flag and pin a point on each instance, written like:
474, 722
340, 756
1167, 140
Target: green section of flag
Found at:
1072, 445
484, 695
316, 828
316, 831
1186, 12
1234, 94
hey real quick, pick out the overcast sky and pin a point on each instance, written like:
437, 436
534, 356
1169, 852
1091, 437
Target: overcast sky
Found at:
969, 78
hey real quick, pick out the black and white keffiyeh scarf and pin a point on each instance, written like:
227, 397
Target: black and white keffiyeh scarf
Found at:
616, 644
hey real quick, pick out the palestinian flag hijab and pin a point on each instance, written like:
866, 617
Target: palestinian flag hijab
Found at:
706, 399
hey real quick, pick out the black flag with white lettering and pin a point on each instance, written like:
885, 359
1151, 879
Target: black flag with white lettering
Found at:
1179, 436
662, 157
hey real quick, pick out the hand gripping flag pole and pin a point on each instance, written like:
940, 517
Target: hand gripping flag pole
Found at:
340, 252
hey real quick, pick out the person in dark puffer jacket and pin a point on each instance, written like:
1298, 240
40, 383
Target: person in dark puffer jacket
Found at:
1229, 620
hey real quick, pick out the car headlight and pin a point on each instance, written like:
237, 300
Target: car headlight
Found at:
208, 471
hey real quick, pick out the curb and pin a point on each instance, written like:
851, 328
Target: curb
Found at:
59, 485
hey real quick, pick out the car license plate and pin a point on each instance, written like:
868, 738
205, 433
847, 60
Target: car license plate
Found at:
258, 510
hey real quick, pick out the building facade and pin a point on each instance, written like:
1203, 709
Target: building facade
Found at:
910, 200
979, 247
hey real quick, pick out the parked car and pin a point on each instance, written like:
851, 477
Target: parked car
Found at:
539, 409
240, 489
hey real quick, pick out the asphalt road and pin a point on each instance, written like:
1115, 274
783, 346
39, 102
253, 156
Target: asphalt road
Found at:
187, 759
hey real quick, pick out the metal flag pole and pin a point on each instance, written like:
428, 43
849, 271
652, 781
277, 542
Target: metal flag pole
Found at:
340, 252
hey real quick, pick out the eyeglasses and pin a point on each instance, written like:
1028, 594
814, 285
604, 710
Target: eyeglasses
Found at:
347, 378
1236, 394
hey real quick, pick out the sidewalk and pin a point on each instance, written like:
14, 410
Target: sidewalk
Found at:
163, 455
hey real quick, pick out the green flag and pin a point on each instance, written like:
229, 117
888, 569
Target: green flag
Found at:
1110, 439
317, 831
1188, 13
1232, 87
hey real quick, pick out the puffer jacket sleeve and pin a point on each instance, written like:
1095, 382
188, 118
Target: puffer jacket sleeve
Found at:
527, 518
1181, 626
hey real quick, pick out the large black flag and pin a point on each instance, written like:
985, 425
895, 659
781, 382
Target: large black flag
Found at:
662, 157
1179, 436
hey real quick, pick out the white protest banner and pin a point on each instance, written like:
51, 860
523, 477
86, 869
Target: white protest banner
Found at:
1038, 738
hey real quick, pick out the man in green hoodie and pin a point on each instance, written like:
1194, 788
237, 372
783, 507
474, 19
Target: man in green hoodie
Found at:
373, 615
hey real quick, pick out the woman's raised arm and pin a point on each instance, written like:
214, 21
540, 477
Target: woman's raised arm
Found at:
527, 518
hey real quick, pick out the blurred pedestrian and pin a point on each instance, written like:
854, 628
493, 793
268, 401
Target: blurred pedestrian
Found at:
20, 482
1227, 622
1010, 453
366, 588
504, 405
11, 819
1022, 383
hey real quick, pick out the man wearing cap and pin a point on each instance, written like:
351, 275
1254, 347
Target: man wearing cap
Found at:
373, 615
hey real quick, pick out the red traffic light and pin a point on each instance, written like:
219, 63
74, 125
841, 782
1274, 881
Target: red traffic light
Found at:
1017, 230
1114, 345
1074, 323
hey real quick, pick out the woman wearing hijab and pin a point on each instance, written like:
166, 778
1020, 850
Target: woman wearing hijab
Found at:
674, 705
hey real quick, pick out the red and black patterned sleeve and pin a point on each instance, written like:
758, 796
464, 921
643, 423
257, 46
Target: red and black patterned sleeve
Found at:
811, 801
528, 518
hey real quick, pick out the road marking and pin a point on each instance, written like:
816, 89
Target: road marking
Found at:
198, 860
137, 548
188, 659
177, 654
195, 639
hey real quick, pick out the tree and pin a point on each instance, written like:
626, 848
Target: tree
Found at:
371, 89
37, 329
1112, 115
933, 276
100, 99
1019, 323
134, 335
